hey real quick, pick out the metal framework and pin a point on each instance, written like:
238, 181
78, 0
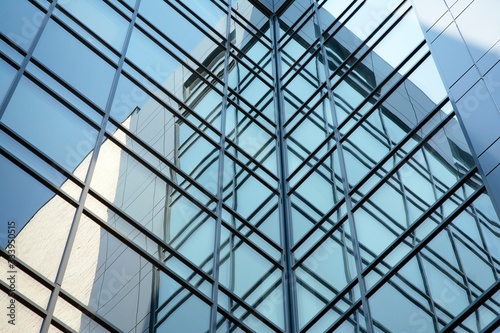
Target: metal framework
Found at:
283, 136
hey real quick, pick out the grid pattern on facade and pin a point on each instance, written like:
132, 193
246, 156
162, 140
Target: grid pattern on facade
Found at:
227, 170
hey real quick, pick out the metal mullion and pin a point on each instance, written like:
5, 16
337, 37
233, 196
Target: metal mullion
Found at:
43, 281
466, 281
91, 314
317, 169
35, 308
187, 231
151, 259
294, 29
191, 141
193, 72
8, 60
251, 160
396, 167
309, 114
22, 53
417, 248
123, 3
369, 37
262, 298
428, 214
337, 19
257, 35
328, 307
250, 117
455, 270
118, 10
172, 54
160, 175
252, 228
30, 171
32, 149
413, 198
405, 260
90, 171
249, 309
265, 146
320, 90
485, 246
311, 206
178, 292
66, 85
495, 323
220, 182
300, 68
461, 235
320, 280
319, 224
350, 210
376, 168
257, 284
132, 221
209, 28
198, 17
175, 307
65, 26
297, 65
280, 39
168, 107
244, 239
374, 107
28, 270
238, 18
250, 172
381, 85
260, 207
370, 48
228, 316
298, 154
305, 115
240, 59
309, 218
86, 29
265, 99
242, 55
246, 102
224, 312
26, 59
288, 277
438, 262
160, 157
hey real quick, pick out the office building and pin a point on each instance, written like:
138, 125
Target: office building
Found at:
249, 166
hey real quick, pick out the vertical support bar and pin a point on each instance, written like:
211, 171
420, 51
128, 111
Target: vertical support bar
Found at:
93, 161
220, 180
345, 182
290, 301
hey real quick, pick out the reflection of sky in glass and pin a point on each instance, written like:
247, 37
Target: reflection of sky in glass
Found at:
397, 44
188, 36
21, 23
49, 126
75, 63
100, 18
21, 196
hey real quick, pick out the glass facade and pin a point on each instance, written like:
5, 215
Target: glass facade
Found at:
236, 166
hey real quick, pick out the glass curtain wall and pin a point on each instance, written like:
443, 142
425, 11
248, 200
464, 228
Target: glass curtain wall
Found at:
209, 166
